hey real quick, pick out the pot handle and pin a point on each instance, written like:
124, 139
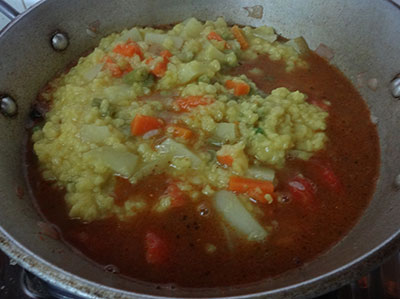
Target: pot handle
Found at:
7, 10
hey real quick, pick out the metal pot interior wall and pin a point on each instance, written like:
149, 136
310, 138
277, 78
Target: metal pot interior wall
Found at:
365, 37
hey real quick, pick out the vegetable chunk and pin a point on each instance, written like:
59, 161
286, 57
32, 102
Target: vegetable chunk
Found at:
142, 124
256, 189
157, 252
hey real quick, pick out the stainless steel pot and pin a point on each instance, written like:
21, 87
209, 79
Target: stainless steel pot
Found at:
365, 35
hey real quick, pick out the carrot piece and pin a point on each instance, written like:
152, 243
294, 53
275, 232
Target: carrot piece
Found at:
143, 123
129, 49
165, 54
149, 60
157, 251
187, 103
215, 36
160, 68
115, 70
238, 33
112, 67
230, 84
239, 88
225, 160
256, 189
178, 131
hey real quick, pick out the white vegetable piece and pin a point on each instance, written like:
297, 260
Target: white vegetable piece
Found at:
299, 44
95, 134
225, 131
120, 161
151, 167
159, 38
192, 28
266, 33
210, 53
232, 210
92, 72
261, 173
132, 34
175, 149
192, 70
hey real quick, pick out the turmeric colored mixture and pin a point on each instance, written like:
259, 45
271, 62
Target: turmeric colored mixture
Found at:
204, 155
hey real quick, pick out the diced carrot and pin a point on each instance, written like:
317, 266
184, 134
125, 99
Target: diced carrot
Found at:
237, 32
107, 59
215, 36
157, 251
225, 160
187, 103
178, 197
160, 68
303, 191
178, 131
115, 70
129, 49
149, 60
127, 69
256, 189
141, 124
239, 88
112, 66
165, 54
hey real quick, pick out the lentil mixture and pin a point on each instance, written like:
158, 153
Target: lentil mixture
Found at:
202, 155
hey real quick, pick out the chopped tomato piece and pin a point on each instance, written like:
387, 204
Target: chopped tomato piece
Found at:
239, 88
238, 33
303, 191
156, 249
178, 131
129, 49
327, 176
141, 124
187, 103
256, 189
225, 160
178, 196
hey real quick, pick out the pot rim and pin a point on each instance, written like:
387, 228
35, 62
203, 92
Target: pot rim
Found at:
85, 288
89, 289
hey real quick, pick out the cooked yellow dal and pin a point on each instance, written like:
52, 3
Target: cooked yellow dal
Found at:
86, 140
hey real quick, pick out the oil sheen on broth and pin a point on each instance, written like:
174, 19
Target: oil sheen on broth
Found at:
317, 196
